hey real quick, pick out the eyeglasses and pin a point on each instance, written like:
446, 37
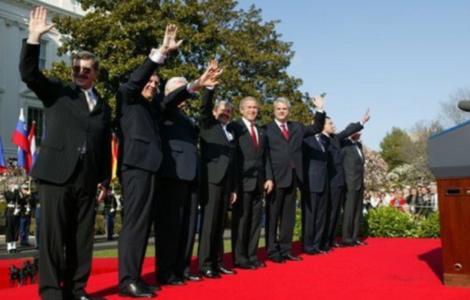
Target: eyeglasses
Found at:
85, 70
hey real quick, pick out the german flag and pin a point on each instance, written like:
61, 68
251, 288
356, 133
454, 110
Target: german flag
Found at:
114, 156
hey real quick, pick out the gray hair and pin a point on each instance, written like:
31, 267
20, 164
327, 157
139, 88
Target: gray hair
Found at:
282, 100
246, 99
219, 103
170, 85
86, 55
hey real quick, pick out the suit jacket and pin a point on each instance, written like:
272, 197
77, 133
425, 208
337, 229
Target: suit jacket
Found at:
285, 155
335, 161
315, 165
140, 145
253, 168
179, 141
71, 127
353, 165
217, 152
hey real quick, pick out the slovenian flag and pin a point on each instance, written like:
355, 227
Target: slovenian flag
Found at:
20, 138
32, 143
3, 164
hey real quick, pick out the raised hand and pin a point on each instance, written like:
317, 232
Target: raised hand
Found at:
211, 75
318, 101
169, 41
366, 117
37, 24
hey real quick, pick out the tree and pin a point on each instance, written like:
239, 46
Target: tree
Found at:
392, 147
375, 170
122, 33
415, 152
450, 114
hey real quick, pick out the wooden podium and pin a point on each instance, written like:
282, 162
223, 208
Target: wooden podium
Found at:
449, 160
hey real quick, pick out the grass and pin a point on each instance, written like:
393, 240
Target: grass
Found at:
111, 253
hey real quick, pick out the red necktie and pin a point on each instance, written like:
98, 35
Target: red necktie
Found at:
253, 136
284, 132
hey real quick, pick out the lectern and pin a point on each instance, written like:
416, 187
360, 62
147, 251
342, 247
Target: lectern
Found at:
449, 161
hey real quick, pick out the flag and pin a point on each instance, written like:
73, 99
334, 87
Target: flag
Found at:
114, 157
32, 143
20, 138
3, 164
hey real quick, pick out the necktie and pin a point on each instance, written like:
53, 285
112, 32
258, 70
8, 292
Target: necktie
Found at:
253, 136
325, 142
89, 100
284, 132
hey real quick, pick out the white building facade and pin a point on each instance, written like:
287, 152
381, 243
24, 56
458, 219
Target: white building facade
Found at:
14, 95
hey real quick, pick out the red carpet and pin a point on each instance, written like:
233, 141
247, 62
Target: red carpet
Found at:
385, 269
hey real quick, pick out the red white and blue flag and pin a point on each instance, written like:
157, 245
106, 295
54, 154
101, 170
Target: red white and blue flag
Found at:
20, 138
32, 143
3, 164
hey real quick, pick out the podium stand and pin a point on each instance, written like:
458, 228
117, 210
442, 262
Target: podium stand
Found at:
449, 161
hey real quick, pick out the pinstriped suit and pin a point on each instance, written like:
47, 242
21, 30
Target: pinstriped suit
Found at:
67, 178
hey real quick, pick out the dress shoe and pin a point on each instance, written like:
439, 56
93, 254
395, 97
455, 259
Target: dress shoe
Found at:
326, 249
360, 243
292, 257
148, 287
192, 277
134, 290
88, 297
246, 266
211, 274
225, 271
336, 245
258, 264
175, 281
315, 252
278, 260
349, 245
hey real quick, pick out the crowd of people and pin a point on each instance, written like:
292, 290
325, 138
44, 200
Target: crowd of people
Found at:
170, 163
416, 200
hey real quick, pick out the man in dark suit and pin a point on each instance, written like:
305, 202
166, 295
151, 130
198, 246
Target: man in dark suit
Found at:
73, 162
140, 157
176, 213
353, 164
315, 195
254, 177
218, 182
336, 174
285, 151
12, 214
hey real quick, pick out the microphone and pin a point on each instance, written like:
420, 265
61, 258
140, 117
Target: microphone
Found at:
464, 105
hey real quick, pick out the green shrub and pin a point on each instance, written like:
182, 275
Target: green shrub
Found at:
390, 222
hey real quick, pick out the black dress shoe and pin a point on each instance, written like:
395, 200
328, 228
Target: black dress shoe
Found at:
172, 281
349, 245
148, 287
359, 243
192, 277
315, 252
246, 266
336, 245
135, 290
211, 274
225, 271
278, 260
87, 297
292, 257
326, 249
258, 264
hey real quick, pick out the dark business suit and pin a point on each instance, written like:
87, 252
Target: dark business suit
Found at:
286, 163
353, 164
178, 200
140, 158
253, 170
315, 198
218, 181
336, 177
75, 156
